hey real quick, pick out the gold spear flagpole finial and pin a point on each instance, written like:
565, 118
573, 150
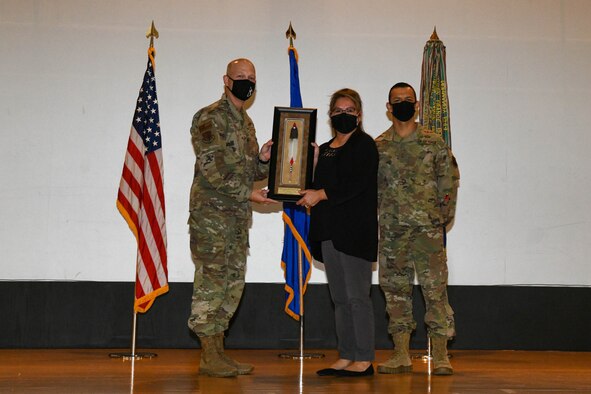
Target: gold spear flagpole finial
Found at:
152, 32
434, 36
291, 34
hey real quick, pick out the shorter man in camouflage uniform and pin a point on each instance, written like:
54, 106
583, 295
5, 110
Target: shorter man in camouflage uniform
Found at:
417, 189
227, 163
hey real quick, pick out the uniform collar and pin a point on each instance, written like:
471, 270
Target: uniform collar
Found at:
393, 136
238, 114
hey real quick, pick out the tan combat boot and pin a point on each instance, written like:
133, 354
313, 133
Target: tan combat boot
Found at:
441, 365
212, 363
242, 368
400, 361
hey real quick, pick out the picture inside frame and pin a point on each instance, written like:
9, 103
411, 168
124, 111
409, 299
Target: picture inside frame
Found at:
291, 165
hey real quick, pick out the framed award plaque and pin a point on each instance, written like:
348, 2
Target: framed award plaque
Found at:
292, 155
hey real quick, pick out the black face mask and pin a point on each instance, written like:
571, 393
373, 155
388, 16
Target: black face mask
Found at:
403, 111
344, 123
242, 89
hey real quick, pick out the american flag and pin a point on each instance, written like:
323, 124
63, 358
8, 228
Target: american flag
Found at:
141, 195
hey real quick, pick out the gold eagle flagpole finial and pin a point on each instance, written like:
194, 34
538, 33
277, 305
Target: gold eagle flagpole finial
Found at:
291, 34
434, 36
152, 32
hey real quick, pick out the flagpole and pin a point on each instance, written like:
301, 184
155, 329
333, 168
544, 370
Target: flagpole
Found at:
152, 32
426, 357
133, 332
300, 279
447, 138
301, 355
291, 35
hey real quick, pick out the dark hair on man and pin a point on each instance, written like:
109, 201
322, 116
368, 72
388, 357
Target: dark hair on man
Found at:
402, 85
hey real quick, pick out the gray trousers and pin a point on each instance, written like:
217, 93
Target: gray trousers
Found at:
349, 281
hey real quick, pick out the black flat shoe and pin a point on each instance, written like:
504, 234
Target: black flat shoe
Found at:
327, 372
344, 372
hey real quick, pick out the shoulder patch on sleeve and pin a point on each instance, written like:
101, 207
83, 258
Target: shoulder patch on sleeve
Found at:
428, 136
206, 131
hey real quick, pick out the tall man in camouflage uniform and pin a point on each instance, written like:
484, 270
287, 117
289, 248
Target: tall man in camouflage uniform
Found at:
417, 189
228, 161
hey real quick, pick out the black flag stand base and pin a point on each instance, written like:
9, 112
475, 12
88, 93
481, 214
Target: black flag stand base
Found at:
426, 357
133, 355
301, 355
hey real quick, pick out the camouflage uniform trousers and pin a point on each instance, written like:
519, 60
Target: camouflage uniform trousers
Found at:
404, 250
219, 244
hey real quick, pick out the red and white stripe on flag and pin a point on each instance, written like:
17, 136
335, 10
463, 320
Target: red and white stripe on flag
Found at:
141, 194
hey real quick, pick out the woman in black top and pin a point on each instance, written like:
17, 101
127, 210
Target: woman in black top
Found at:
344, 230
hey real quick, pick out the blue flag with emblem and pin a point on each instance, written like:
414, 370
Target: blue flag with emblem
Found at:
296, 253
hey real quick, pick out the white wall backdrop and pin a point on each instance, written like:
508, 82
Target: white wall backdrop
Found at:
520, 90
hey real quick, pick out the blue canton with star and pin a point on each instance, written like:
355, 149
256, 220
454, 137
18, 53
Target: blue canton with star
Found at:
147, 120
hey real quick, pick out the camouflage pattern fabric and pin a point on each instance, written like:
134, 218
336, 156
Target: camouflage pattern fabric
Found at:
219, 245
417, 191
402, 251
417, 178
226, 166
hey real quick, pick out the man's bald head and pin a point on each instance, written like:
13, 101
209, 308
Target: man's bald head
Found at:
237, 66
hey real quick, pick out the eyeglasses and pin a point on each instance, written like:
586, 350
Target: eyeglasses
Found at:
348, 111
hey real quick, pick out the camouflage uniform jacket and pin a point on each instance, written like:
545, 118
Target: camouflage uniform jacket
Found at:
417, 179
227, 163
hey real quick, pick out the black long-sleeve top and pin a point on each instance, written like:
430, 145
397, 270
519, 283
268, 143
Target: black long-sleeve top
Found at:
348, 175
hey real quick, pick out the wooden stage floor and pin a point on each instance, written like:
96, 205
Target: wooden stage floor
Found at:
175, 371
